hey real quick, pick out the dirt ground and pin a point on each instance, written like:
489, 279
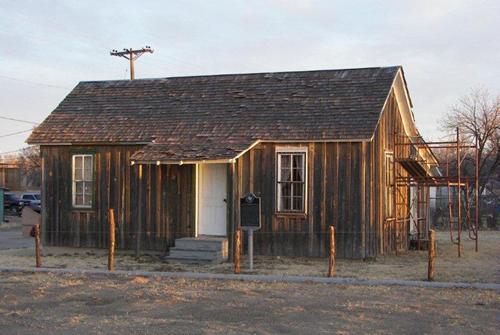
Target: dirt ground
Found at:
78, 304
471, 267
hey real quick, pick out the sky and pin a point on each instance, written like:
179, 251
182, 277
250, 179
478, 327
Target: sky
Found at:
446, 48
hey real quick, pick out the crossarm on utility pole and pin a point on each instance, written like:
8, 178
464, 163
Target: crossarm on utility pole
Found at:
131, 55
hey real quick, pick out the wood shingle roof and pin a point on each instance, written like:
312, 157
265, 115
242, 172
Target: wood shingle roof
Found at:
216, 117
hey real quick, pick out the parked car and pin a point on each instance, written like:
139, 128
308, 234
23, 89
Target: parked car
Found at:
33, 200
12, 204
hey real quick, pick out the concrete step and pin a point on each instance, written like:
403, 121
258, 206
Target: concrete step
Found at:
199, 249
204, 255
195, 255
214, 244
191, 261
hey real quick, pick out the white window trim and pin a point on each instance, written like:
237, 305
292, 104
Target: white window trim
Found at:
291, 150
73, 181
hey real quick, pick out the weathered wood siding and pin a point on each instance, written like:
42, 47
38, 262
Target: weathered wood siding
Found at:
346, 188
385, 229
158, 198
338, 178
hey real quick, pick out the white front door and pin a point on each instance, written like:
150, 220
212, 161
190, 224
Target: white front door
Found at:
212, 194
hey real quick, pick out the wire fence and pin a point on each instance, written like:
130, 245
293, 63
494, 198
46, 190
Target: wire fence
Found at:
105, 231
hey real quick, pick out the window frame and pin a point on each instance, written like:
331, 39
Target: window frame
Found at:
389, 185
74, 181
291, 151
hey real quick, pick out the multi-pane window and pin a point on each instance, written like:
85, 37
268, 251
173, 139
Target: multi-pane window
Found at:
291, 181
389, 185
82, 180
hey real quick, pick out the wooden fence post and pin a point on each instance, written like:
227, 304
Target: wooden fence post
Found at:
432, 254
331, 260
111, 246
38, 257
237, 252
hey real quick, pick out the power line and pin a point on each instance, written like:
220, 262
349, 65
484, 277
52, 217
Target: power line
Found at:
34, 82
17, 120
12, 151
176, 62
16, 133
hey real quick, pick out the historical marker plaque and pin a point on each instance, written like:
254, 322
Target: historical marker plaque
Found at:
250, 212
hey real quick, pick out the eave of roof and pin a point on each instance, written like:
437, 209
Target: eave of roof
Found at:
147, 155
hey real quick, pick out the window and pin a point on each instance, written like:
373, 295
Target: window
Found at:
82, 180
291, 181
389, 185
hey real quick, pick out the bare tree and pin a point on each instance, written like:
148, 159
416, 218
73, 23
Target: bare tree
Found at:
30, 165
477, 115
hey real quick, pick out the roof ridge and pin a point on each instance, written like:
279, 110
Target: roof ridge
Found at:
245, 74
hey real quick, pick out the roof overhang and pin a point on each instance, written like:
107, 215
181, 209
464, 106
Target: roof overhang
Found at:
231, 159
183, 162
401, 93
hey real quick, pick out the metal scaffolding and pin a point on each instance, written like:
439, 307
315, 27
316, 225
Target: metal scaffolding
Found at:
424, 171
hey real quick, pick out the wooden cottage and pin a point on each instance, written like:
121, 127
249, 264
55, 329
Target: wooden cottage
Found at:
173, 156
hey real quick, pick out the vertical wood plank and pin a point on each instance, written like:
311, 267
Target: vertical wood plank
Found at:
127, 227
158, 226
251, 168
233, 203
362, 195
139, 213
342, 198
310, 193
43, 194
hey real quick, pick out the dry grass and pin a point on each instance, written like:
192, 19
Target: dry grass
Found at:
471, 267
89, 304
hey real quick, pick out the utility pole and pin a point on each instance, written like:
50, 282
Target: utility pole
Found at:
131, 55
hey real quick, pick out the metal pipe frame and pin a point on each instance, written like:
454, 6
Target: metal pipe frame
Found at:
458, 181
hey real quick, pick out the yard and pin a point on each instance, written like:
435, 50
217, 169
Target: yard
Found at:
94, 304
471, 267
47, 303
